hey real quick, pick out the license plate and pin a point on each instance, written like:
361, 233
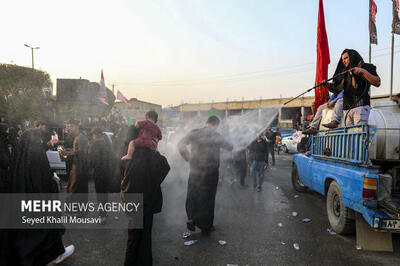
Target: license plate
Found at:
61, 172
391, 224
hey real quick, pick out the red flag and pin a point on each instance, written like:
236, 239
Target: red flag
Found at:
373, 37
374, 10
122, 98
323, 59
103, 92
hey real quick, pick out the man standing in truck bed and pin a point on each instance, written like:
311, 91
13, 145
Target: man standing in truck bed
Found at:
355, 84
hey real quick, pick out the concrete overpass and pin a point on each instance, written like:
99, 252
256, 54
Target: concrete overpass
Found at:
229, 108
301, 105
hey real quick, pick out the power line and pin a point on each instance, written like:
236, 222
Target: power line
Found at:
278, 71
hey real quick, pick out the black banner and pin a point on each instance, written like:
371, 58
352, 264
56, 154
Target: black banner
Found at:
396, 20
373, 36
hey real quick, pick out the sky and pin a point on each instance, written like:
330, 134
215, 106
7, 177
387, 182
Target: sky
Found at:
174, 51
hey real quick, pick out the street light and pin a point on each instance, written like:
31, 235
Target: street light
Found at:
32, 48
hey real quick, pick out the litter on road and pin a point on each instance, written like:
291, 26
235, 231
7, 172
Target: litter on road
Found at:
296, 196
330, 231
186, 235
222, 242
296, 246
280, 224
294, 214
190, 242
306, 220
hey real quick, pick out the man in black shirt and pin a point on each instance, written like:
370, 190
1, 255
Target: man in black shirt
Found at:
100, 167
257, 154
203, 157
355, 85
46, 135
271, 138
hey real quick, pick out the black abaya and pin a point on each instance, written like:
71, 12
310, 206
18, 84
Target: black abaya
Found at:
31, 173
145, 173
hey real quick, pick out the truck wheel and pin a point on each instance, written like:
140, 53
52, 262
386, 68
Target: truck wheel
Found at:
297, 184
338, 214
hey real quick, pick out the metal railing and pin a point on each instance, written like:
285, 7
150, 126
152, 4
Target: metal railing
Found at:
348, 144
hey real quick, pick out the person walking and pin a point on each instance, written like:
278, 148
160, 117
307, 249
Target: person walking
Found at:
258, 150
204, 159
270, 140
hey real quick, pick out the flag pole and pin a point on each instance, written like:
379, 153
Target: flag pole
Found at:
370, 51
370, 31
391, 69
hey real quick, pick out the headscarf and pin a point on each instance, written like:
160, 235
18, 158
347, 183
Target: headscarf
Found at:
31, 171
3, 128
12, 138
4, 158
3, 135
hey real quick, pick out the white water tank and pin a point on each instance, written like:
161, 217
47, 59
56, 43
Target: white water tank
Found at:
385, 116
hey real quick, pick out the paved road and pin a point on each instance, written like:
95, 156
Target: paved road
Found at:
247, 220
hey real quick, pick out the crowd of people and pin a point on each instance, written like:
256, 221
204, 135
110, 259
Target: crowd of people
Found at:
25, 169
133, 164
130, 164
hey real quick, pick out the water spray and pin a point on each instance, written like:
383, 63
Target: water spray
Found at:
316, 86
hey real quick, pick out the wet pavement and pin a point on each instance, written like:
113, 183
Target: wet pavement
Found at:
259, 229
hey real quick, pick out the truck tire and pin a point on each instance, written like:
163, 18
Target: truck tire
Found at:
297, 184
338, 214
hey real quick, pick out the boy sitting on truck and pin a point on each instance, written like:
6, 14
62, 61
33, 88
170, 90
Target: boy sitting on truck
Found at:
335, 102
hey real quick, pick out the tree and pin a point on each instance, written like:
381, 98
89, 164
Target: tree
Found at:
20, 90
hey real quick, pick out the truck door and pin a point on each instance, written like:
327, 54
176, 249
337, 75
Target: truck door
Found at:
318, 169
304, 170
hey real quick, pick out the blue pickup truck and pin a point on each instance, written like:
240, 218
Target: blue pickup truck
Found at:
338, 165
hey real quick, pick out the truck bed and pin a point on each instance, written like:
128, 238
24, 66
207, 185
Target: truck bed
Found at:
392, 205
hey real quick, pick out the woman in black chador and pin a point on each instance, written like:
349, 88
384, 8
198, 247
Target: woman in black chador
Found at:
31, 173
144, 174
4, 164
4, 157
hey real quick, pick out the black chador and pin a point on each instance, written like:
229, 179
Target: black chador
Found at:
144, 174
31, 173
100, 163
4, 165
204, 171
4, 158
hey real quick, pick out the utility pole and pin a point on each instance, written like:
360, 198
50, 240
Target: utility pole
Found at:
113, 85
391, 68
32, 48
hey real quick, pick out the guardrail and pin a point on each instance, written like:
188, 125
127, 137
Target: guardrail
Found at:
349, 144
